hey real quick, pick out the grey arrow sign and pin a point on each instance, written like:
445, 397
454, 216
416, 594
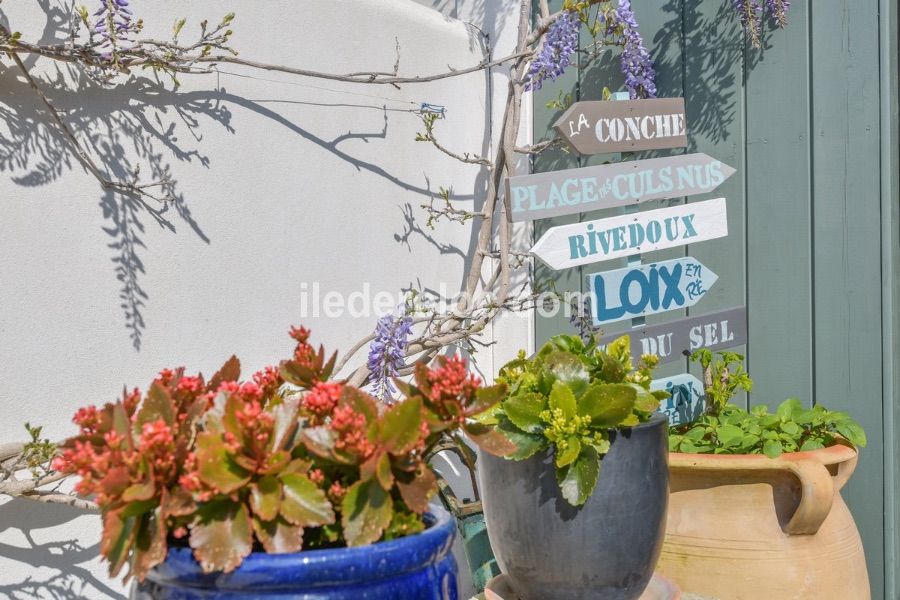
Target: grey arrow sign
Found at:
545, 195
676, 339
624, 125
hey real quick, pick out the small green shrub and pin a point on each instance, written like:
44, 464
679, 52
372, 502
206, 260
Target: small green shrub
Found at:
728, 429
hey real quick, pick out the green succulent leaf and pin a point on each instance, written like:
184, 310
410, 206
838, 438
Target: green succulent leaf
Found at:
524, 410
563, 399
527, 444
278, 536
608, 404
400, 426
645, 401
265, 497
577, 480
568, 456
222, 537
365, 513
217, 467
304, 503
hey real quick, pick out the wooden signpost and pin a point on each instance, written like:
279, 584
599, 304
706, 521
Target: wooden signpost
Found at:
615, 237
557, 193
677, 339
687, 399
624, 126
649, 289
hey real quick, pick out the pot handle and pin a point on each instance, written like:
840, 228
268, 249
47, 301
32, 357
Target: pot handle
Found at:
816, 495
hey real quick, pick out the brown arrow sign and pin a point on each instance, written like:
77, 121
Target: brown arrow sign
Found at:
557, 193
624, 125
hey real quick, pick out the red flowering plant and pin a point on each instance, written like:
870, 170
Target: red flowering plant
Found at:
286, 461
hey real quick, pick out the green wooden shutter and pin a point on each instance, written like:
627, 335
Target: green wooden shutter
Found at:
810, 122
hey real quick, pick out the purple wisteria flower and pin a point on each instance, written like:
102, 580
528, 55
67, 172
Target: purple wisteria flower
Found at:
640, 76
779, 10
560, 43
114, 20
386, 354
580, 319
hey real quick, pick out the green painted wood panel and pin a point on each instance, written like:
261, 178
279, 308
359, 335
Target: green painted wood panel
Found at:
890, 261
810, 122
846, 242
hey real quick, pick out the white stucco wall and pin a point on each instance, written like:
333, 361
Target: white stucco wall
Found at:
284, 183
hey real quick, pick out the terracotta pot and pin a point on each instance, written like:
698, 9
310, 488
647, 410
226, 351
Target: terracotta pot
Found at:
748, 527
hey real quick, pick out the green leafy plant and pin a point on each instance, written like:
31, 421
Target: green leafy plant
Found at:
568, 397
284, 462
728, 429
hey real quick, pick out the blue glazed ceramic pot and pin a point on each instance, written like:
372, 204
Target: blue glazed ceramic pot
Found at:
417, 567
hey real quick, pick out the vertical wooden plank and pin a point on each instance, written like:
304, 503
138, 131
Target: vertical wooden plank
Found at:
714, 98
779, 214
553, 160
890, 269
847, 244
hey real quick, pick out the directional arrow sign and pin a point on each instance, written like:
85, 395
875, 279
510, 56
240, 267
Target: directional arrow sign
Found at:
648, 289
676, 339
687, 401
604, 239
624, 125
557, 193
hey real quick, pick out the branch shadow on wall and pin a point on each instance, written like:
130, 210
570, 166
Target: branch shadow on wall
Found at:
59, 569
128, 137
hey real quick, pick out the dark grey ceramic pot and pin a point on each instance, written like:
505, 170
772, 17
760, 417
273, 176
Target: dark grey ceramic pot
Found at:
604, 550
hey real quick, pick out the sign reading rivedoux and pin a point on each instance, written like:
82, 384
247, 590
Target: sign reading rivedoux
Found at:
677, 339
557, 193
604, 239
648, 289
624, 126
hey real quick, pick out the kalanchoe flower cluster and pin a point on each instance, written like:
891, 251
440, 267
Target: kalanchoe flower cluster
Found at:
386, 354
640, 77
560, 45
286, 461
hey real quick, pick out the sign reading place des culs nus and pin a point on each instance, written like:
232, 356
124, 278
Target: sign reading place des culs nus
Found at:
558, 193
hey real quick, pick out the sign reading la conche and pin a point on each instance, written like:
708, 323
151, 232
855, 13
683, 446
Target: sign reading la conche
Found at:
557, 193
624, 126
616, 237
677, 339
648, 289
687, 399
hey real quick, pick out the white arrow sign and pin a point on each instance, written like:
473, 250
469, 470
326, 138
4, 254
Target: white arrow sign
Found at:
616, 237
648, 289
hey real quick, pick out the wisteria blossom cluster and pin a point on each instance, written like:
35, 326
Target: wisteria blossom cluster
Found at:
752, 13
615, 24
555, 55
640, 77
386, 354
286, 461
113, 21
